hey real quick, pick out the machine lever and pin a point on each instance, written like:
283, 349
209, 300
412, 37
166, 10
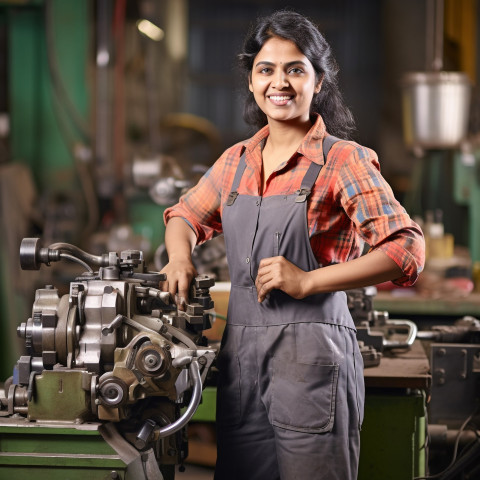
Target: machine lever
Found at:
145, 434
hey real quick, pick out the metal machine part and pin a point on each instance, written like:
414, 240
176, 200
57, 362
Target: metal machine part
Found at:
455, 367
376, 332
454, 406
114, 349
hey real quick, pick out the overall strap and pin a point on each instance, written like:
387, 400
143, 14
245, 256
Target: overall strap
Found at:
242, 165
328, 143
314, 170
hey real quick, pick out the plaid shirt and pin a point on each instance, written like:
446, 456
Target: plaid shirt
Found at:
351, 203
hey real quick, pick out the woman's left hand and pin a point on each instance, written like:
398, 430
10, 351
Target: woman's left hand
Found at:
279, 273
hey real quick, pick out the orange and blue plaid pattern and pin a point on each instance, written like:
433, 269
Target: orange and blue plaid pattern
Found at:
351, 203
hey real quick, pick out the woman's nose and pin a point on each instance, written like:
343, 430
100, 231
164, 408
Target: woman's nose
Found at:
280, 80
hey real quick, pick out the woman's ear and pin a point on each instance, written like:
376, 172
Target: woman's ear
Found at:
318, 86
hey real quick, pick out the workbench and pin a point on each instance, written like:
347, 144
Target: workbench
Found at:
418, 306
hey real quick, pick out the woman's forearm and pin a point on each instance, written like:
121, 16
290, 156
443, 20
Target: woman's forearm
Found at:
279, 273
180, 240
370, 269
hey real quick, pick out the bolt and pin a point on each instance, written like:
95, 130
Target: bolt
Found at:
440, 376
441, 352
202, 360
111, 393
151, 360
114, 474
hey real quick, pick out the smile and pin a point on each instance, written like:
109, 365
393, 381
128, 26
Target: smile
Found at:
280, 99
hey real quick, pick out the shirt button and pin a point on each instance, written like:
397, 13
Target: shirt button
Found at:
257, 203
247, 260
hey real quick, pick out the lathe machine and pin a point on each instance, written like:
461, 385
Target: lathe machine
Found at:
112, 372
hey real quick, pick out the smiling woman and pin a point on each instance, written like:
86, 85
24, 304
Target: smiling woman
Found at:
296, 205
283, 82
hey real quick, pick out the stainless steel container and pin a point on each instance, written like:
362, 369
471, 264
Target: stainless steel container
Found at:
436, 108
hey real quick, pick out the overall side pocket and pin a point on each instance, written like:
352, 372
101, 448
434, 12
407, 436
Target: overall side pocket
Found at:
304, 396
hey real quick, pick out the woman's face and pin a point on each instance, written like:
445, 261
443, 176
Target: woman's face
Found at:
283, 81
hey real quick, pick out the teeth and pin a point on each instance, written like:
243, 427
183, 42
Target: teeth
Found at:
279, 98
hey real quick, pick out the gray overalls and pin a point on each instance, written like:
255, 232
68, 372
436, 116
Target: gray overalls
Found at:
290, 388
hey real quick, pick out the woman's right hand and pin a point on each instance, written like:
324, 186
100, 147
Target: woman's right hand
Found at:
180, 274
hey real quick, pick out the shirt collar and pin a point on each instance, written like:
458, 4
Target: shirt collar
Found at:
311, 146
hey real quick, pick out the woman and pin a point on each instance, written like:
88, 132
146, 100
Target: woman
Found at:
290, 390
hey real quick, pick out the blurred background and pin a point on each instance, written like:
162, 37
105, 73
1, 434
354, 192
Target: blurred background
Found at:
110, 109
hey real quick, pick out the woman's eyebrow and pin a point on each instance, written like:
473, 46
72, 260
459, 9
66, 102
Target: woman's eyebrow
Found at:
288, 64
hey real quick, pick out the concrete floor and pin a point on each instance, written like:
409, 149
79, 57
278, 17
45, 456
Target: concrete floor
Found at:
195, 472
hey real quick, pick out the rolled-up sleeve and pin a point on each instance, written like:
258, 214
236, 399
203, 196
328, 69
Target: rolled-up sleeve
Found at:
379, 218
200, 206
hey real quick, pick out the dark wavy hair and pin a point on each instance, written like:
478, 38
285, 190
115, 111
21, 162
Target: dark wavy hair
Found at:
292, 26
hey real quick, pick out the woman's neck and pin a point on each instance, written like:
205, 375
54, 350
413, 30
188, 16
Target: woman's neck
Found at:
283, 135
282, 142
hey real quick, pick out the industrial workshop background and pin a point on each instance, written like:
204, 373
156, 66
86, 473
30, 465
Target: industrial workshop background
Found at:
109, 109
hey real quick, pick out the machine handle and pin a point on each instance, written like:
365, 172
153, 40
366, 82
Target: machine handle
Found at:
411, 335
32, 255
194, 371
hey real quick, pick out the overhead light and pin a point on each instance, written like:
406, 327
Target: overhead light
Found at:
150, 30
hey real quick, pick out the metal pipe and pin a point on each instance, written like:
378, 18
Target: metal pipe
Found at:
441, 436
194, 371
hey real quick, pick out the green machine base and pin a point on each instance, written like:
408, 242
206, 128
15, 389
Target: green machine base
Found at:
70, 452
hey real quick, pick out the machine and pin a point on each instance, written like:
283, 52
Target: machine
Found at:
454, 407
114, 354
376, 332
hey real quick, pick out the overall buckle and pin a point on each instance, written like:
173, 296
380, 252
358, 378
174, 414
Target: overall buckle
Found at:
231, 198
302, 195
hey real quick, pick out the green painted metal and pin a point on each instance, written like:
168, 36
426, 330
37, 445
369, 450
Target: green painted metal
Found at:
146, 219
393, 437
61, 395
466, 180
63, 453
37, 136
206, 410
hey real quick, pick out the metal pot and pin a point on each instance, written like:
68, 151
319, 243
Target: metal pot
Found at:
436, 108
